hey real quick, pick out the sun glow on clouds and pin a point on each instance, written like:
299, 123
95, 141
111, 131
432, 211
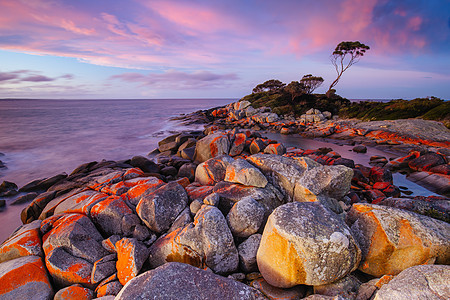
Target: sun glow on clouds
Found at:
193, 45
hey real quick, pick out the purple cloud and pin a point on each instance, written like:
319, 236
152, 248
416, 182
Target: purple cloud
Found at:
37, 78
4, 76
177, 79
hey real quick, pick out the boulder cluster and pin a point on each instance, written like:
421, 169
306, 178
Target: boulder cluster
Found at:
226, 214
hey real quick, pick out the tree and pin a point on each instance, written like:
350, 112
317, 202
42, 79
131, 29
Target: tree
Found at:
295, 89
271, 85
311, 83
344, 56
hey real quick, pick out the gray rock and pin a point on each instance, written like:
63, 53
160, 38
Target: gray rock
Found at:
305, 243
329, 181
247, 253
195, 206
129, 223
182, 220
419, 282
241, 171
25, 278
24, 199
141, 232
282, 172
181, 281
144, 164
245, 217
346, 287
187, 170
108, 215
103, 268
211, 146
162, 207
77, 235
24, 241
205, 242
212, 199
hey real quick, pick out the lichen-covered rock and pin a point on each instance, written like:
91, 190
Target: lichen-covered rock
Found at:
393, 240
205, 242
247, 253
305, 243
329, 181
245, 217
142, 188
80, 203
282, 172
131, 255
77, 235
418, 282
238, 144
213, 170
257, 145
109, 287
426, 162
181, 281
277, 149
241, 171
74, 292
160, 209
25, 278
211, 146
108, 215
67, 269
25, 241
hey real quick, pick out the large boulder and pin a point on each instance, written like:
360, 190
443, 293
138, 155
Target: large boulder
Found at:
25, 278
282, 172
75, 291
305, 243
80, 203
427, 161
142, 188
181, 281
205, 242
238, 144
213, 170
418, 282
211, 146
160, 209
23, 242
393, 240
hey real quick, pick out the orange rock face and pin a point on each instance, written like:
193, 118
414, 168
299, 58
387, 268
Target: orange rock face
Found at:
24, 278
393, 240
24, 242
131, 255
74, 292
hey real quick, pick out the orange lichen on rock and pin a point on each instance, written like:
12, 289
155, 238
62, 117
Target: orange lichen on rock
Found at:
26, 241
393, 240
74, 292
24, 278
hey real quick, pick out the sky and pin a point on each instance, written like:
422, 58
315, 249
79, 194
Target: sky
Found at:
140, 49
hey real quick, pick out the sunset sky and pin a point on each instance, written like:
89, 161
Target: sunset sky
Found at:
89, 49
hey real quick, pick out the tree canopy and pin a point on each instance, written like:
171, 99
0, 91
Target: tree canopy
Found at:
271, 85
344, 56
310, 83
295, 89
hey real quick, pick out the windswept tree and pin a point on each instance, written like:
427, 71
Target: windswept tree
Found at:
271, 85
311, 83
344, 56
295, 89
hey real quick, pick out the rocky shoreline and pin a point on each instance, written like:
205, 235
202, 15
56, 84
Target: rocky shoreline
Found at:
229, 213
